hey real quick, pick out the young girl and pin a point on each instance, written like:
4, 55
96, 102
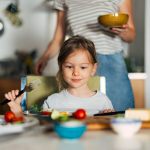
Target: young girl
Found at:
77, 62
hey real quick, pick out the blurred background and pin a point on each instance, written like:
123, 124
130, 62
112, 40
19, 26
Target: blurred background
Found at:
26, 33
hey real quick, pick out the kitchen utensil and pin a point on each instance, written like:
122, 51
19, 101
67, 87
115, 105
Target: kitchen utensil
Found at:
28, 88
113, 19
110, 113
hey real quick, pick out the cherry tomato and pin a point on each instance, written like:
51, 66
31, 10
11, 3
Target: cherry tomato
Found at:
45, 112
80, 114
9, 116
17, 119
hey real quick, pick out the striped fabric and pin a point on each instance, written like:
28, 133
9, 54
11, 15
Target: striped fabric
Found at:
82, 17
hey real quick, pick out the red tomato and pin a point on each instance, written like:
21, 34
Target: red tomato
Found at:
9, 116
80, 114
17, 119
45, 112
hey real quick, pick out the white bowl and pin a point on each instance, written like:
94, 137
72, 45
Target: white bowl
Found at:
125, 126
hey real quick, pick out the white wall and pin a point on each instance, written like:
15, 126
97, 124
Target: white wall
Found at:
39, 22
147, 52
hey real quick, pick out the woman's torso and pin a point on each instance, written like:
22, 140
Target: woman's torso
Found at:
82, 17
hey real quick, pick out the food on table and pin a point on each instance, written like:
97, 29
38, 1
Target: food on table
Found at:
45, 112
79, 114
9, 116
140, 114
63, 113
119, 115
48, 111
17, 119
54, 114
35, 108
63, 118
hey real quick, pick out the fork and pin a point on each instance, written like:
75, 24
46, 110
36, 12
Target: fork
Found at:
28, 88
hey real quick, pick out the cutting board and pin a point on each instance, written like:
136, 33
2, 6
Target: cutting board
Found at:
102, 122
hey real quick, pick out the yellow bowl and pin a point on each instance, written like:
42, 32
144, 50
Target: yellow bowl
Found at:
113, 19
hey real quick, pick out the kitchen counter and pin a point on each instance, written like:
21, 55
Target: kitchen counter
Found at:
92, 140
137, 75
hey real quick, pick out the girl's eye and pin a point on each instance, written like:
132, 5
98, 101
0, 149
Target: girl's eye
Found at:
69, 66
83, 67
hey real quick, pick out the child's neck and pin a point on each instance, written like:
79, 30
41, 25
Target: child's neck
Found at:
81, 92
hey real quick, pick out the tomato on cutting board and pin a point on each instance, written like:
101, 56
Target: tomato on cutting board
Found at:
80, 114
9, 116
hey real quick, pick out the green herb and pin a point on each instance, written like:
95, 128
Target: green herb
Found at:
119, 115
36, 109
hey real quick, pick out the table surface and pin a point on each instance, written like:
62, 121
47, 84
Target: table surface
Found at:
36, 138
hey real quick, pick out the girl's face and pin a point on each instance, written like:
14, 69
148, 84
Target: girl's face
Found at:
77, 69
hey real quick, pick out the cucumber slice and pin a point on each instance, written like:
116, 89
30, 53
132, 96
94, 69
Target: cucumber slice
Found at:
54, 114
63, 118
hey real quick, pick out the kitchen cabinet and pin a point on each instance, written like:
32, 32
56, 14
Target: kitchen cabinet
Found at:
138, 86
7, 85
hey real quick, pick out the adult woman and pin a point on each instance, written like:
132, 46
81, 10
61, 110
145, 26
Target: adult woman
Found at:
82, 19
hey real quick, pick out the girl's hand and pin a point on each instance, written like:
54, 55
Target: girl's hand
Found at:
15, 104
120, 31
106, 111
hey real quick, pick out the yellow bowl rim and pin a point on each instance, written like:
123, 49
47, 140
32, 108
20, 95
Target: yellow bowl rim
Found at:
114, 13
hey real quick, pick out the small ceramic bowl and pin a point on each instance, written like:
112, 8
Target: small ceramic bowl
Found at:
124, 126
70, 129
113, 19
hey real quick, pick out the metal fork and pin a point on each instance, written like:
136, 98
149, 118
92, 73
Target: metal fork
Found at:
28, 88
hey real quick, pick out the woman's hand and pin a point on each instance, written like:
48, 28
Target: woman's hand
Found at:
106, 111
15, 103
121, 31
127, 33
40, 65
55, 45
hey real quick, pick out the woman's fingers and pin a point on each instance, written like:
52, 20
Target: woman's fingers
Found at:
113, 110
42, 66
120, 30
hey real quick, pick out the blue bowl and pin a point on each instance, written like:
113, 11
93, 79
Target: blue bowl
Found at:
70, 129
